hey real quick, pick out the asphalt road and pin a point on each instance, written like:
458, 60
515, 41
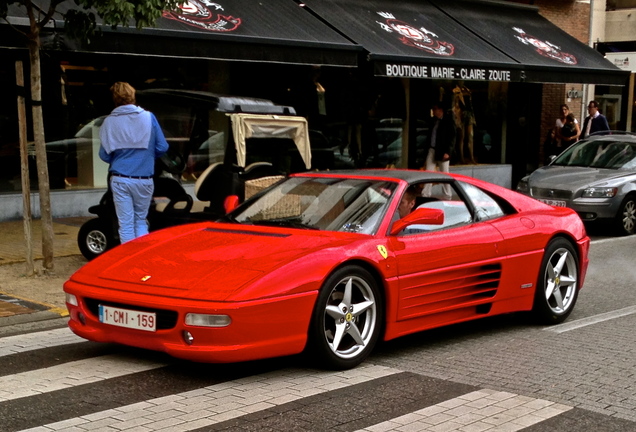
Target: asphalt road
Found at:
497, 374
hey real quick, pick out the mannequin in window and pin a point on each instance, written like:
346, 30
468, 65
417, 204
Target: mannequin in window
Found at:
464, 121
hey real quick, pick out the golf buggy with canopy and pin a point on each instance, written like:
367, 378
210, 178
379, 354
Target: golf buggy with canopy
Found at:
230, 146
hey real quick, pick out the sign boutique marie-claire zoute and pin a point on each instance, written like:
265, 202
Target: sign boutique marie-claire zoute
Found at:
445, 72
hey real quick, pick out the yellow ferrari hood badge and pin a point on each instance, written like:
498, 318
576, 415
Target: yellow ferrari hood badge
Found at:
145, 278
383, 251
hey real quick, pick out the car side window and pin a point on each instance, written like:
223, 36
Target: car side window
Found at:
485, 207
456, 212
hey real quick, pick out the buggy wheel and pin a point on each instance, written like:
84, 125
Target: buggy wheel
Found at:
94, 238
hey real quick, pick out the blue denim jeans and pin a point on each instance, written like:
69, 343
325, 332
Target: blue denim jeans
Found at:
132, 199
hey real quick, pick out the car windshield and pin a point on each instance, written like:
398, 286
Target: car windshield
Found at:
326, 204
599, 154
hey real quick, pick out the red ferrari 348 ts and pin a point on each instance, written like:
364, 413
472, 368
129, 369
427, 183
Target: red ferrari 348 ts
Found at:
331, 262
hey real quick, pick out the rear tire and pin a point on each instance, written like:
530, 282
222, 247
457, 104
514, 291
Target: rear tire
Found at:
95, 237
557, 288
626, 216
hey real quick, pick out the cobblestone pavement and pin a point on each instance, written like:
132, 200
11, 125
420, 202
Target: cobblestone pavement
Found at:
13, 246
16, 299
51, 380
589, 369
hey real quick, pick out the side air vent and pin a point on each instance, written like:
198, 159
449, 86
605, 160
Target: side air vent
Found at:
449, 290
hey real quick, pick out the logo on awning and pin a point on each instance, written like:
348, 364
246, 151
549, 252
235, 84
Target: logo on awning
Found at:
545, 48
203, 14
419, 38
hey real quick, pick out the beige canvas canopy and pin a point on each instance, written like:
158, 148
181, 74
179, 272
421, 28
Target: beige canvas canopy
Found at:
246, 126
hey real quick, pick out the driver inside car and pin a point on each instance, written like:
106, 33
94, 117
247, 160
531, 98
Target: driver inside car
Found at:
407, 203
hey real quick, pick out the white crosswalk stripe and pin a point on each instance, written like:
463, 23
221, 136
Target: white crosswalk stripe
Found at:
217, 403
263, 395
71, 374
34, 341
483, 410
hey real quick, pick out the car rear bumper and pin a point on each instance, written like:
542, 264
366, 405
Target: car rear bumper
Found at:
258, 329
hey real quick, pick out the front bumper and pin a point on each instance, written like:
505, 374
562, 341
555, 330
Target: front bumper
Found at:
259, 329
588, 209
591, 209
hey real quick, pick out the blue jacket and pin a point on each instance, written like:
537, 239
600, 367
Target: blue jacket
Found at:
137, 161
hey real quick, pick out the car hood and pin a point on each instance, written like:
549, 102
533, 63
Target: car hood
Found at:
572, 178
210, 262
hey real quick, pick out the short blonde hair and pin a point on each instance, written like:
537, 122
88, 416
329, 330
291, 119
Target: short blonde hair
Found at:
123, 93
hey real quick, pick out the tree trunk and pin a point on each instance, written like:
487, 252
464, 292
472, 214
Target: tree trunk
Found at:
40, 156
24, 165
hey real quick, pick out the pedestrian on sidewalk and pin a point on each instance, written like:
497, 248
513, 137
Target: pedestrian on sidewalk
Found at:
131, 140
595, 122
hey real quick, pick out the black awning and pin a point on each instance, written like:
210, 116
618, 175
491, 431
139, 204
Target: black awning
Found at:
547, 53
277, 31
414, 39
468, 40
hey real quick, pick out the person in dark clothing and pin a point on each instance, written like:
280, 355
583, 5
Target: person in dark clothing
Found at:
568, 131
595, 122
439, 145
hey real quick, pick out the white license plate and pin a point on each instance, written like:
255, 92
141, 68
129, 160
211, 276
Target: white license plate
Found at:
556, 203
128, 318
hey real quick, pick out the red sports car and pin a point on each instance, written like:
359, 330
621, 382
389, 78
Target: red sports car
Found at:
330, 262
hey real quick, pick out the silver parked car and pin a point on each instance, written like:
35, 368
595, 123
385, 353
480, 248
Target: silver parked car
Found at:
596, 177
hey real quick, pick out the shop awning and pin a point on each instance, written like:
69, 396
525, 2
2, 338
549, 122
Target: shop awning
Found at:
547, 53
277, 31
467, 40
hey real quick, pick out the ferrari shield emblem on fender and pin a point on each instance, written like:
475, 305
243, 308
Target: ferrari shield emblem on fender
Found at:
383, 251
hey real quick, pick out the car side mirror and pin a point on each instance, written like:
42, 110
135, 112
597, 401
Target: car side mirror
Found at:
230, 203
421, 216
551, 158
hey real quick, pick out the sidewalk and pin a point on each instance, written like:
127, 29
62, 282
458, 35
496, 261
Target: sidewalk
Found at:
39, 297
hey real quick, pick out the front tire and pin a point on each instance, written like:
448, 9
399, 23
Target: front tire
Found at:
94, 238
347, 320
557, 288
626, 216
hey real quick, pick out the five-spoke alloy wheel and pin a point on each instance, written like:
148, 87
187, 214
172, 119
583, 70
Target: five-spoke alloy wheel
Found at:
347, 318
558, 288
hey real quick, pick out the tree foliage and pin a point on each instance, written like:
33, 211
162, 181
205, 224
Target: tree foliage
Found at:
83, 18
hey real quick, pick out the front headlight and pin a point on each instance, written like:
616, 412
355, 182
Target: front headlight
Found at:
600, 192
522, 186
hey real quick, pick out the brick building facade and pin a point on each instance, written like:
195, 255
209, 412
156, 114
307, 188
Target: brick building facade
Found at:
574, 18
